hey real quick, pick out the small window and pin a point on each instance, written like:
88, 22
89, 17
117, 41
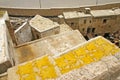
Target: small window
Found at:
106, 35
83, 29
105, 21
84, 21
88, 30
37, 36
93, 30
72, 24
96, 34
90, 21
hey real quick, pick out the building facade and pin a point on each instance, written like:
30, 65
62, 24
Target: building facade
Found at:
42, 27
94, 22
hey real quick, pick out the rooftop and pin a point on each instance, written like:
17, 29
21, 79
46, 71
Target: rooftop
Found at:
94, 13
75, 14
82, 14
64, 28
42, 24
52, 45
77, 58
117, 11
69, 15
102, 13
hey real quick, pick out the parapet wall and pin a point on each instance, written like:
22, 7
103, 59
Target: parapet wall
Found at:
95, 59
54, 11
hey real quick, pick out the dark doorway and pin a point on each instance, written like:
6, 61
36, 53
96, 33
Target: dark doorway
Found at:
106, 35
88, 30
93, 30
86, 37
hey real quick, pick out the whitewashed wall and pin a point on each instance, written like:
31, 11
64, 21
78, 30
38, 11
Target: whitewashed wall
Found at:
52, 3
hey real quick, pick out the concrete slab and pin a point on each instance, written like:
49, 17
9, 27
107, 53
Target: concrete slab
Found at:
52, 45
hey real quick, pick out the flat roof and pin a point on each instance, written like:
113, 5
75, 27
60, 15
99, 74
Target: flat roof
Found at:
42, 24
69, 15
75, 14
52, 45
64, 27
102, 13
82, 14
117, 11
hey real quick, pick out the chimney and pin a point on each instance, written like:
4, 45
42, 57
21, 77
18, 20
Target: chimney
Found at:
87, 10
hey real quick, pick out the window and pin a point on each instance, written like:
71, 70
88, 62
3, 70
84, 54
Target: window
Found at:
88, 30
72, 24
84, 21
96, 34
106, 35
37, 36
105, 21
93, 30
83, 29
90, 21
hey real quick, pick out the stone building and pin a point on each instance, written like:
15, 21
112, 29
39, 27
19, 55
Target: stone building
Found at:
42, 27
103, 21
78, 20
23, 34
6, 44
94, 22
117, 13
